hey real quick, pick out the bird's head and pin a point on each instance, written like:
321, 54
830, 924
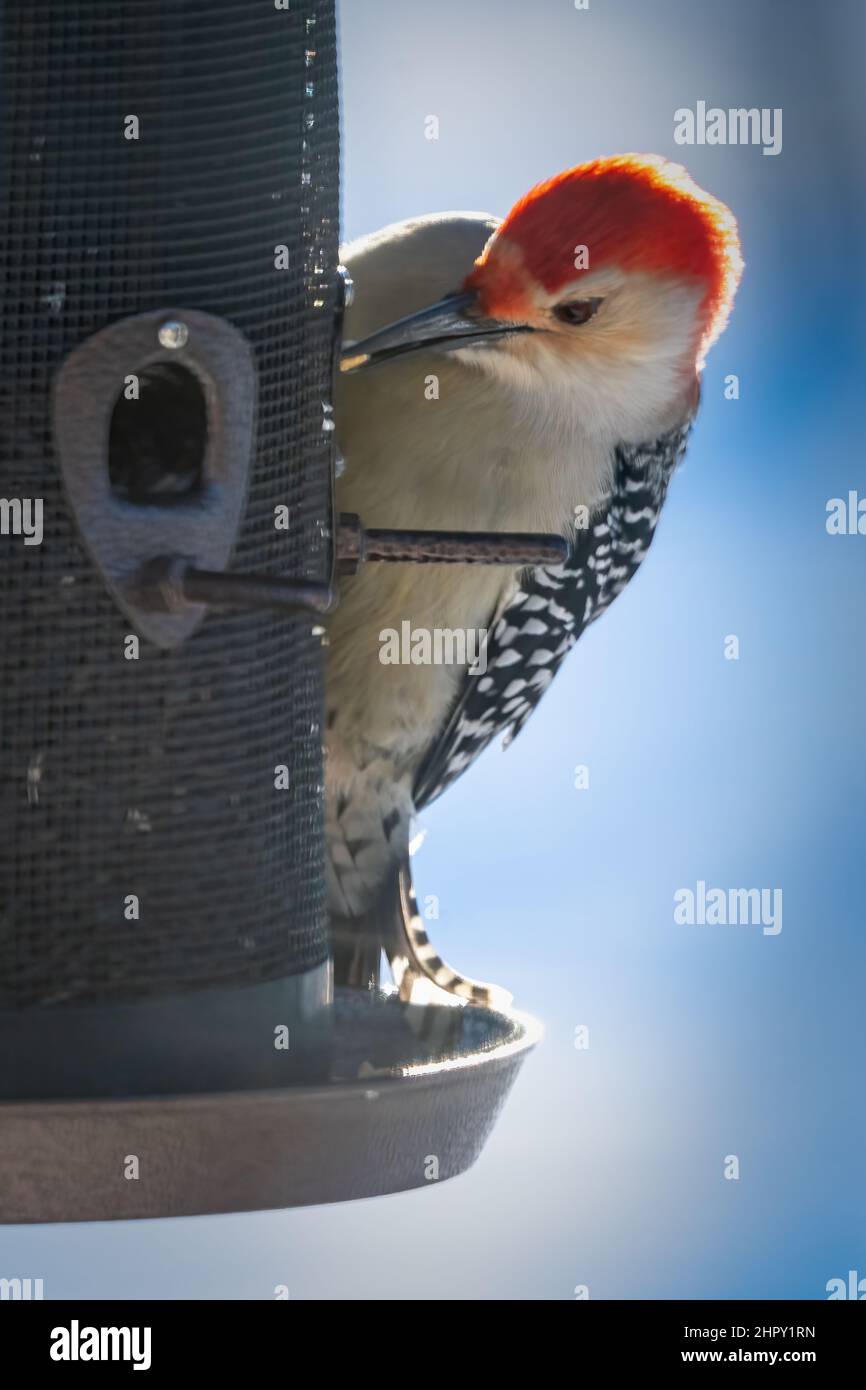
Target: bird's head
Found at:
611, 279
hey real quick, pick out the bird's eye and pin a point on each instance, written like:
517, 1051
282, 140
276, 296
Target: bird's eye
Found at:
576, 310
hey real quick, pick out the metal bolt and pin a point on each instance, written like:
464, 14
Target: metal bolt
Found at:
173, 334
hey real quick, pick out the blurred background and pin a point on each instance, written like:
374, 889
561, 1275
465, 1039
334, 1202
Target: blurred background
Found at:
607, 1167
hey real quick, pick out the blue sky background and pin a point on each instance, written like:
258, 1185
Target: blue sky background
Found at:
606, 1167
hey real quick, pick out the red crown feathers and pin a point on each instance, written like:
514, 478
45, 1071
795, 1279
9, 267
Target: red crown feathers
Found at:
635, 211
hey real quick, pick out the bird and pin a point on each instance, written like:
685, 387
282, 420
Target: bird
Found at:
538, 373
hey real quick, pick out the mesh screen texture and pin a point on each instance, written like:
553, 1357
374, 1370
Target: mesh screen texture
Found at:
155, 777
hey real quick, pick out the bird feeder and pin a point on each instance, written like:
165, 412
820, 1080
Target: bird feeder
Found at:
170, 1038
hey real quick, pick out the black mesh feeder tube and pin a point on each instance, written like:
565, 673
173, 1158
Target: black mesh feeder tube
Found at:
169, 300
169, 248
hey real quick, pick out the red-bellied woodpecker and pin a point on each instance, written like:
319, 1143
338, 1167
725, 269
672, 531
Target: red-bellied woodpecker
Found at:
538, 374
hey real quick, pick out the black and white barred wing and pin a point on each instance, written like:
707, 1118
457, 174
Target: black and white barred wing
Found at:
551, 609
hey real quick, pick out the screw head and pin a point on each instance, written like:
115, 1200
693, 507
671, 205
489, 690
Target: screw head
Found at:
173, 334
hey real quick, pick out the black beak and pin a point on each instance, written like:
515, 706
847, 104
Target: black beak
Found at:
450, 323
